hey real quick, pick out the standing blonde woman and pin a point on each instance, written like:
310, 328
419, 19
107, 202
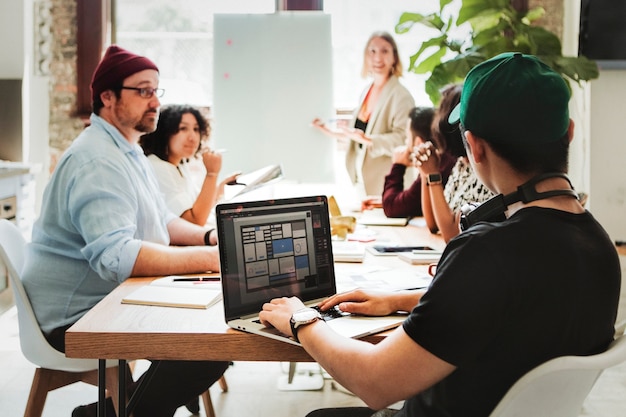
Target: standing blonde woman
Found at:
379, 120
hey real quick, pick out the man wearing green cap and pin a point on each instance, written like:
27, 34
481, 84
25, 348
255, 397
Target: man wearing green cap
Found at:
532, 277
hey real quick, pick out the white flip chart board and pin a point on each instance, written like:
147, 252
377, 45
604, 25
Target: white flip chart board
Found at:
272, 77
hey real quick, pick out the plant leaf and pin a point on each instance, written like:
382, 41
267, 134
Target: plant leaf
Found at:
443, 4
428, 64
485, 20
497, 27
535, 13
439, 41
472, 8
460, 65
435, 82
577, 68
543, 41
407, 20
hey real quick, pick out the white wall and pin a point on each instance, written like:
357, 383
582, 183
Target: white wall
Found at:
16, 50
598, 152
607, 166
579, 104
12, 49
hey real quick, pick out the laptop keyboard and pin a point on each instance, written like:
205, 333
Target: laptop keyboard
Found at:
331, 313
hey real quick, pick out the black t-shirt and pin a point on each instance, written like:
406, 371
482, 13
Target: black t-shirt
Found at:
509, 296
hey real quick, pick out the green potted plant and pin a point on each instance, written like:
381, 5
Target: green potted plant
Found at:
496, 26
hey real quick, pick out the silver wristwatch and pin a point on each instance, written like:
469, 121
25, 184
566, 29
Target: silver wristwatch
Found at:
303, 317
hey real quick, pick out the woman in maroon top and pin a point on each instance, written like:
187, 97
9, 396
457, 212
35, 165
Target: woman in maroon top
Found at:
423, 125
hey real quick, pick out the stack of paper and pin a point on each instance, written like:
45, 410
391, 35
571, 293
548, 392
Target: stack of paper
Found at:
420, 257
376, 217
344, 251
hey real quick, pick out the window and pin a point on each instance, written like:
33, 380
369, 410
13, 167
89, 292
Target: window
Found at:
180, 38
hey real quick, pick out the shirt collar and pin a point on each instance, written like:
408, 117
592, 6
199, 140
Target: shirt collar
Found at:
115, 134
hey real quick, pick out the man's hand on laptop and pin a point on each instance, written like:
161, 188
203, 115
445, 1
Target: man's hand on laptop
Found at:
367, 303
277, 313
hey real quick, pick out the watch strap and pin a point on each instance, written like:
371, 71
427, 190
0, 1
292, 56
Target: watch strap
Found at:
434, 179
207, 237
294, 330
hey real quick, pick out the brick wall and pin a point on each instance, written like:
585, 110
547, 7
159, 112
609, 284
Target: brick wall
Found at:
553, 18
64, 127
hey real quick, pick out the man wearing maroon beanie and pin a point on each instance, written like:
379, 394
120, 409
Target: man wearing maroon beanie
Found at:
103, 219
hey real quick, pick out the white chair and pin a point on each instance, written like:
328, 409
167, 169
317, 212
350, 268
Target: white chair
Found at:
559, 387
54, 370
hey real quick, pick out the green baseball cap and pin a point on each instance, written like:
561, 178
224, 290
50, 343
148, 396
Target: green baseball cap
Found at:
514, 98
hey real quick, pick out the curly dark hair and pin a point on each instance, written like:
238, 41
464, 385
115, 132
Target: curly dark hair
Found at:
421, 120
447, 137
157, 142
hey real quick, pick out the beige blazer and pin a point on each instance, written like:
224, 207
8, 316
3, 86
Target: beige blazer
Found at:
387, 129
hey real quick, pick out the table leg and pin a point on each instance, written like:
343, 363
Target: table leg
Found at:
102, 411
141, 387
121, 390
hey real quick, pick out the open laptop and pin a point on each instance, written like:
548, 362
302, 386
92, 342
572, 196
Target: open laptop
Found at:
281, 248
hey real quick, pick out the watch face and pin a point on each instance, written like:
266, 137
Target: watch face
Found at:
305, 315
434, 179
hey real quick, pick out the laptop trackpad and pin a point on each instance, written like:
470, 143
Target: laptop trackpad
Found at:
359, 326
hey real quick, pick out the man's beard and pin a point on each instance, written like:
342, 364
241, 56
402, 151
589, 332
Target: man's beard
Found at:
146, 127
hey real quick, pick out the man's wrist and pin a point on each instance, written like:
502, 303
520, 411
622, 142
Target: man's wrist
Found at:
207, 238
301, 318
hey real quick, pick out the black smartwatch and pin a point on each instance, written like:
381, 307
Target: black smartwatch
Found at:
434, 179
303, 317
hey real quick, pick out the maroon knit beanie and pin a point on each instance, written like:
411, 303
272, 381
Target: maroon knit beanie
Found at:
116, 65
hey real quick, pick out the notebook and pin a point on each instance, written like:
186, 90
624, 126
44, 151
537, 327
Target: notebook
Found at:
281, 248
170, 292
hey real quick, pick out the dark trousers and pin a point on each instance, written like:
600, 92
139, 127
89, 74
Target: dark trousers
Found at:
174, 383
351, 412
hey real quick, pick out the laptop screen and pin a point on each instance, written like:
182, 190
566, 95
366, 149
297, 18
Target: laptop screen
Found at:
274, 248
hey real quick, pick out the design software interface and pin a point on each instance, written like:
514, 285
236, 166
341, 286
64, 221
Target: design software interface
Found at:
277, 249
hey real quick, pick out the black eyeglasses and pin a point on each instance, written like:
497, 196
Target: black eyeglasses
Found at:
146, 92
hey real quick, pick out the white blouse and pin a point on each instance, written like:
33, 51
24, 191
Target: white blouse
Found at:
176, 183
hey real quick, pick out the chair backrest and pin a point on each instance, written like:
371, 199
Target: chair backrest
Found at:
34, 345
559, 387
13, 243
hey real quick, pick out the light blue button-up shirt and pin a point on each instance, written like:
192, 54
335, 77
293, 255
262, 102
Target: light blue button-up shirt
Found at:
102, 201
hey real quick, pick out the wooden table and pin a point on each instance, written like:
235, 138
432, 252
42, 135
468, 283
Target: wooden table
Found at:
112, 330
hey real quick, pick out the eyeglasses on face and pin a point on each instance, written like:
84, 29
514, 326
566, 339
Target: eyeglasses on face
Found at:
146, 92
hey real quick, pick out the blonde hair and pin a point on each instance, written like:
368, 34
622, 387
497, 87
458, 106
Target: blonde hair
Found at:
396, 69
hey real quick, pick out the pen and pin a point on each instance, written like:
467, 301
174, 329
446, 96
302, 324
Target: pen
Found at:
196, 279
